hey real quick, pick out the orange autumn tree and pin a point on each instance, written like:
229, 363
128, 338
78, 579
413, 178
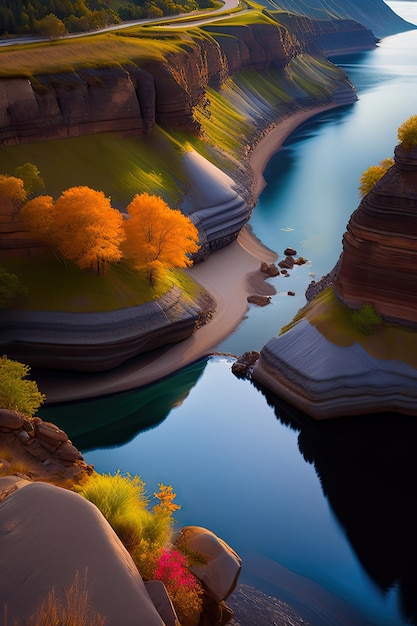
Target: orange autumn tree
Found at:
81, 225
37, 216
12, 194
158, 237
86, 229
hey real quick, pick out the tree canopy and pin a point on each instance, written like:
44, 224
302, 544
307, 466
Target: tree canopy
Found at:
157, 236
12, 194
407, 133
86, 229
16, 392
30, 175
82, 227
37, 216
10, 286
54, 17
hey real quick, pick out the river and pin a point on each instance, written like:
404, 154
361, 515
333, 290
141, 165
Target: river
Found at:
321, 514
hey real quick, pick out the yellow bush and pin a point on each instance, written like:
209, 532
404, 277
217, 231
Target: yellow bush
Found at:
407, 133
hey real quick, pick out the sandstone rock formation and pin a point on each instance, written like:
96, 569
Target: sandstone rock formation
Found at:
97, 341
44, 449
379, 259
328, 377
211, 202
326, 381
60, 536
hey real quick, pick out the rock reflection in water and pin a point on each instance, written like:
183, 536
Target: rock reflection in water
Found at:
111, 421
367, 467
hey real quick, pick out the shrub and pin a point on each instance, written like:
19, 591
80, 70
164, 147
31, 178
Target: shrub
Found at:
123, 502
115, 495
366, 319
183, 587
145, 533
10, 286
407, 133
372, 175
17, 393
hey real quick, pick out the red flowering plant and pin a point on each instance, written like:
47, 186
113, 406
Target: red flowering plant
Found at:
183, 587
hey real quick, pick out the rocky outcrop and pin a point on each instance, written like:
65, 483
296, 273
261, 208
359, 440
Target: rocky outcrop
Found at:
212, 202
325, 380
43, 449
39, 452
218, 571
61, 541
328, 374
97, 341
329, 36
379, 258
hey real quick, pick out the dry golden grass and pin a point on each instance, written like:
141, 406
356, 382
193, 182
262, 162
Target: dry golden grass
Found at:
70, 608
94, 51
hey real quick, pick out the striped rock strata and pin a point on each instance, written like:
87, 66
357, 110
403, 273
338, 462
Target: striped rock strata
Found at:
379, 259
325, 380
97, 341
377, 266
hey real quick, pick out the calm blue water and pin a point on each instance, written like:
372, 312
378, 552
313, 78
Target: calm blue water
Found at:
322, 514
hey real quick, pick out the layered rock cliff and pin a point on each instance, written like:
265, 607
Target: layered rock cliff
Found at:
327, 369
379, 259
131, 98
98, 341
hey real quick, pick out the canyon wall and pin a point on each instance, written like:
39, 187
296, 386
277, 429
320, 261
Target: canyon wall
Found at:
379, 258
131, 99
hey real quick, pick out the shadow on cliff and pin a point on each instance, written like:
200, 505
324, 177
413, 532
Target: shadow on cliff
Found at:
114, 420
367, 467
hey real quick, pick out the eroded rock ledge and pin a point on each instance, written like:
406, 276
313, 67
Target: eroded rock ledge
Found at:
325, 380
99, 341
379, 259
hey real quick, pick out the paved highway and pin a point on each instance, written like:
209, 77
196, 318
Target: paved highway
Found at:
198, 15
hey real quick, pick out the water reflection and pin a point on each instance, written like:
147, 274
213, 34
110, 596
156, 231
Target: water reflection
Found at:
367, 469
111, 421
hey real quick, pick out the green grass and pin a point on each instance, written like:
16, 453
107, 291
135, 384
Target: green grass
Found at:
118, 166
334, 321
225, 128
55, 286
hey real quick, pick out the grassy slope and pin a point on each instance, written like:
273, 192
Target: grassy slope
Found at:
55, 286
118, 166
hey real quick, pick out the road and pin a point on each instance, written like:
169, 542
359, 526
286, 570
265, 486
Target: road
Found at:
228, 5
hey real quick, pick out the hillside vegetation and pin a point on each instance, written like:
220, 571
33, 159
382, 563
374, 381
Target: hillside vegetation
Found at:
55, 17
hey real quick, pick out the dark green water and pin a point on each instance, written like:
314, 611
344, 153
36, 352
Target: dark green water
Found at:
322, 514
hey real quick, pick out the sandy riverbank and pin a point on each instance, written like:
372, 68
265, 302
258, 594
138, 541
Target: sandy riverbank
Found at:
230, 275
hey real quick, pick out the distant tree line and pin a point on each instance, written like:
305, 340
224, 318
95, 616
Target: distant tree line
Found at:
54, 18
